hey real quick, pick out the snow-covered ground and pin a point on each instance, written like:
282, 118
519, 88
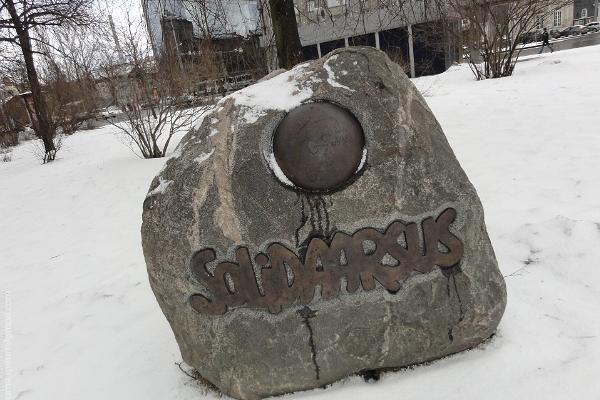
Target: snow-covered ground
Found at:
79, 320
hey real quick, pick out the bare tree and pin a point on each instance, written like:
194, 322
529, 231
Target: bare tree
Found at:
209, 17
20, 23
404, 21
490, 31
285, 30
67, 96
225, 29
155, 95
77, 53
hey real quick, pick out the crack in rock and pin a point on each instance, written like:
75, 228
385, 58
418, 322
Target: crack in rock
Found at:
461, 312
306, 313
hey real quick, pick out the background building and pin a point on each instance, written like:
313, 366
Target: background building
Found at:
409, 32
584, 11
209, 19
224, 34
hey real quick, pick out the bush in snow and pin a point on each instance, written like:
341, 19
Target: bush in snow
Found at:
5, 153
154, 94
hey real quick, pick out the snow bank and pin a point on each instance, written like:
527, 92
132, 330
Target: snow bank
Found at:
84, 322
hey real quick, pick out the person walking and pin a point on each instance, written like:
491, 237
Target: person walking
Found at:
545, 41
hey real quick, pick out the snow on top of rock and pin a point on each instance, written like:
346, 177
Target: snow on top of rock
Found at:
204, 156
363, 160
177, 152
160, 189
201, 117
270, 157
282, 92
331, 79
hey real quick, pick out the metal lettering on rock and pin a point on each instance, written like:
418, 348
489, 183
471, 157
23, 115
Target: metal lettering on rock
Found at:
360, 260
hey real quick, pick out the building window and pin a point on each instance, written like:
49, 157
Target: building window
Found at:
557, 17
311, 6
539, 22
584, 13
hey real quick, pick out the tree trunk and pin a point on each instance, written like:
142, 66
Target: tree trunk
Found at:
41, 121
285, 29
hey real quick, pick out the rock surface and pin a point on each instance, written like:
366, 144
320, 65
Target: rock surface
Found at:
224, 192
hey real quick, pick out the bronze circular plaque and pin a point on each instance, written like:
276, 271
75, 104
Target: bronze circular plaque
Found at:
319, 146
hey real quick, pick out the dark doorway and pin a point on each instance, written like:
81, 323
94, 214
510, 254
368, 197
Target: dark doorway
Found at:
310, 52
362, 40
429, 47
395, 44
327, 47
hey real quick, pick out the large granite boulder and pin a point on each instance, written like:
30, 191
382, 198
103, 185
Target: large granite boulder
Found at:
316, 225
